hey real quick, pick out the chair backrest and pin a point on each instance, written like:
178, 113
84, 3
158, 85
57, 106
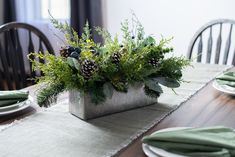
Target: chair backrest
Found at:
214, 43
15, 69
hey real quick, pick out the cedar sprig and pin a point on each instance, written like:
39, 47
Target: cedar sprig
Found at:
105, 34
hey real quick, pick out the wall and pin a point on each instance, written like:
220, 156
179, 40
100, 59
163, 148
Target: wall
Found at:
178, 18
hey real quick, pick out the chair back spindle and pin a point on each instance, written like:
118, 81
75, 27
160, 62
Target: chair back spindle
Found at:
214, 54
15, 69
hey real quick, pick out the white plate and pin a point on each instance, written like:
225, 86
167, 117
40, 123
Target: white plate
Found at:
151, 151
8, 107
17, 107
224, 88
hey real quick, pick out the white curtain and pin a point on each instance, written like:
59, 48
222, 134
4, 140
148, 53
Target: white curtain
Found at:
29, 11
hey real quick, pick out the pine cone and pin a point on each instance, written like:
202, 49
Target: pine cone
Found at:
154, 62
116, 57
64, 52
123, 50
88, 67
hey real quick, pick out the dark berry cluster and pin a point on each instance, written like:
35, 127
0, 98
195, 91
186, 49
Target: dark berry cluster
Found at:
70, 52
167, 50
88, 67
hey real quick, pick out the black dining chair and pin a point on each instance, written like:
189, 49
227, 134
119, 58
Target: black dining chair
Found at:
213, 42
17, 40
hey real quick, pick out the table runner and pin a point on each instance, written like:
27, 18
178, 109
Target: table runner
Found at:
55, 132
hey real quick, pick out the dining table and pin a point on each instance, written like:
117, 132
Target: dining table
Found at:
208, 107
204, 106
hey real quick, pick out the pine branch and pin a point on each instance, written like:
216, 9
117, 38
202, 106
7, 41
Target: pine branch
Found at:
48, 94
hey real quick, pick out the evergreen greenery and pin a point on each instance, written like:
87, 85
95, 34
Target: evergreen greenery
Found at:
49, 94
98, 70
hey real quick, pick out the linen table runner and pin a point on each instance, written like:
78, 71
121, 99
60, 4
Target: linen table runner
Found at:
56, 133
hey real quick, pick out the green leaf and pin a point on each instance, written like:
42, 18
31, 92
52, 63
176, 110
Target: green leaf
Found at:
153, 85
151, 93
73, 62
70, 61
149, 40
168, 82
149, 72
108, 90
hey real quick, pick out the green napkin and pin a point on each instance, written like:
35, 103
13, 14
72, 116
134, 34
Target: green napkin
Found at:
204, 142
228, 78
12, 97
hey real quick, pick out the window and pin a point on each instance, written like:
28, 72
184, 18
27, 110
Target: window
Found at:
37, 10
60, 9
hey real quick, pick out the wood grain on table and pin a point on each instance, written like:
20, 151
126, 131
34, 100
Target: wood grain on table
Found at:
208, 107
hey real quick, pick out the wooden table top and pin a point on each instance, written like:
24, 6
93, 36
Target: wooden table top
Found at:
208, 107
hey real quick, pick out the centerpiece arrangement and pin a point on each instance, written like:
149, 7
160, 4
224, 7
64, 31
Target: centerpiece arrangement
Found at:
110, 77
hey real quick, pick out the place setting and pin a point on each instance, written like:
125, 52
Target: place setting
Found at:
14, 101
225, 83
215, 141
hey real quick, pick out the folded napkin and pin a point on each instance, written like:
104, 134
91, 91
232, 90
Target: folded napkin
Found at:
11, 97
202, 142
228, 78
